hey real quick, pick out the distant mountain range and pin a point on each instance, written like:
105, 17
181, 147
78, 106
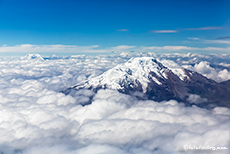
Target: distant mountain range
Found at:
147, 78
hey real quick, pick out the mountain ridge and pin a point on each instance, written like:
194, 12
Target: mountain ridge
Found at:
148, 78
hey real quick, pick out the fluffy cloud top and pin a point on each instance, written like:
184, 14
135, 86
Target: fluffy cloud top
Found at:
37, 118
204, 68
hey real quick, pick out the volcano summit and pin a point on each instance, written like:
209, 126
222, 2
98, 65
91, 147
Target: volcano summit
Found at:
148, 78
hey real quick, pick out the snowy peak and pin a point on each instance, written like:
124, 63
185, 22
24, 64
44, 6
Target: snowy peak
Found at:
136, 74
148, 78
145, 65
33, 57
136, 71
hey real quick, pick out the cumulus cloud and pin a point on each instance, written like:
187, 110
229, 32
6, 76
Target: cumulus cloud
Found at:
213, 66
204, 68
193, 98
224, 75
147, 123
37, 118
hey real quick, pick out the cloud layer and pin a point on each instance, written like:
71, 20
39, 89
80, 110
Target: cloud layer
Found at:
29, 48
37, 118
73, 49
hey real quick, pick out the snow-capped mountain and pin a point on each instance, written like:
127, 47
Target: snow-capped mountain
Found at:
32, 57
148, 78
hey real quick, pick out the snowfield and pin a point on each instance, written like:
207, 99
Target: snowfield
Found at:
36, 117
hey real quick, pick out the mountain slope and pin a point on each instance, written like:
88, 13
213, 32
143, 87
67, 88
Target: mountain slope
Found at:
147, 78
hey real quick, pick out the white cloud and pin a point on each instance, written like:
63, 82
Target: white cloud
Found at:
178, 48
193, 98
122, 48
186, 48
170, 48
37, 118
163, 31
224, 75
29, 48
205, 69
73, 49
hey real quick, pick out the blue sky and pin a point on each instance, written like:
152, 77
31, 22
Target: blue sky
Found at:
105, 25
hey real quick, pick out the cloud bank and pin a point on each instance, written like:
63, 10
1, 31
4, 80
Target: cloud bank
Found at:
186, 48
94, 49
37, 118
29, 48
